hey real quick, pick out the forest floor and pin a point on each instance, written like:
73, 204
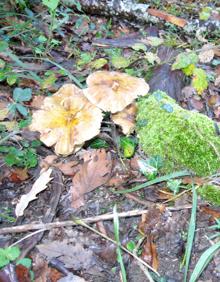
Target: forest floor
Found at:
101, 232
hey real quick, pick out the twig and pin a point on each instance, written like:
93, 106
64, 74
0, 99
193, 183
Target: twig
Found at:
47, 226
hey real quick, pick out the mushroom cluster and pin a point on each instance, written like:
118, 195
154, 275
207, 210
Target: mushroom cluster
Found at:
72, 116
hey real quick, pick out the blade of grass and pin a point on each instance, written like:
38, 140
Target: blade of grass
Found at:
15, 59
155, 181
71, 77
118, 249
203, 261
191, 232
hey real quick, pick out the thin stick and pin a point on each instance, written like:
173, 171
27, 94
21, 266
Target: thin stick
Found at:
109, 216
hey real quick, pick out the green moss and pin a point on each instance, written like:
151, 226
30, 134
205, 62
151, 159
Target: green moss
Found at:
185, 139
210, 193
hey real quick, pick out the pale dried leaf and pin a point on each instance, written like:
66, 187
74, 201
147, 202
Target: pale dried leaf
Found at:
73, 256
93, 172
126, 119
207, 53
39, 185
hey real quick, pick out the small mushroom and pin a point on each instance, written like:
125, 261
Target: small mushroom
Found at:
126, 118
67, 119
113, 91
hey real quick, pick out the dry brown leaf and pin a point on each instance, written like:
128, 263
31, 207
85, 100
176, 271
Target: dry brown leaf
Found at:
126, 118
18, 175
207, 53
167, 17
73, 256
93, 172
68, 168
217, 81
67, 119
37, 102
48, 161
39, 185
113, 91
149, 254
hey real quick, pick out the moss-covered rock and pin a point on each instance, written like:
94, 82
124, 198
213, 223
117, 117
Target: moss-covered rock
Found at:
185, 139
210, 193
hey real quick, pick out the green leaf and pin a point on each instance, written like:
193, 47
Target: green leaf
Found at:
185, 59
191, 233
120, 62
154, 41
139, 47
174, 185
199, 81
99, 143
22, 110
3, 46
189, 69
128, 146
131, 246
203, 261
205, 13
12, 253
3, 258
48, 81
12, 79
4, 149
99, 63
27, 262
2, 64
22, 95
51, 4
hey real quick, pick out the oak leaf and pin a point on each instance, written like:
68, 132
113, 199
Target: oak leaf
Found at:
92, 173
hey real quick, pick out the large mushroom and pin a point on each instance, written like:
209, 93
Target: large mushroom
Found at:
126, 118
113, 91
67, 119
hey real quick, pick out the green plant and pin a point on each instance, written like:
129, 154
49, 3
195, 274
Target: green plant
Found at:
118, 249
203, 261
26, 157
128, 145
52, 7
8, 254
191, 233
19, 97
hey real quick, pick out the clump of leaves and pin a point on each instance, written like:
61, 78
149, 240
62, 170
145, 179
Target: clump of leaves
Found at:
128, 145
19, 97
27, 157
8, 254
186, 62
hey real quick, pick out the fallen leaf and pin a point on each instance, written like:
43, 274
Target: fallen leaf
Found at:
37, 102
68, 168
18, 175
93, 172
207, 53
23, 273
217, 81
39, 185
149, 254
215, 213
167, 17
126, 119
73, 256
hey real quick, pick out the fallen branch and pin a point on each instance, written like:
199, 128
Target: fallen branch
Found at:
47, 226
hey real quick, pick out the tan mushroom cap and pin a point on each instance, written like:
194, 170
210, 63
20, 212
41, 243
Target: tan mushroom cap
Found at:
67, 119
113, 91
126, 118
